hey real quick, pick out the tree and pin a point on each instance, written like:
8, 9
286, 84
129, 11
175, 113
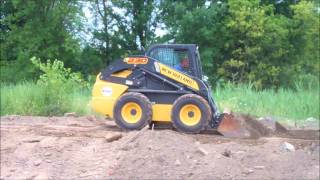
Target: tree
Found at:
250, 46
199, 23
126, 25
262, 42
102, 10
305, 40
45, 29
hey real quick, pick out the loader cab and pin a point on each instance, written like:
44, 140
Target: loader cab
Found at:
181, 57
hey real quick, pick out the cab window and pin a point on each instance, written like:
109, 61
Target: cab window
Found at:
175, 58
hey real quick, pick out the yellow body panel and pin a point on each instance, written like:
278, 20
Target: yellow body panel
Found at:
161, 112
122, 74
105, 95
178, 76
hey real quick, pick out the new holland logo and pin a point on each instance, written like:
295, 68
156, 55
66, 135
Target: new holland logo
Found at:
136, 60
173, 74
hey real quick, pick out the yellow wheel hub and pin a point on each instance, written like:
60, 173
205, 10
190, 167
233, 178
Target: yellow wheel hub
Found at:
190, 114
131, 112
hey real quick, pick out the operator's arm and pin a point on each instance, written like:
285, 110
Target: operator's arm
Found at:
178, 67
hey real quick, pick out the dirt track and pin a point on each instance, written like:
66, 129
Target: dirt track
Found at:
78, 148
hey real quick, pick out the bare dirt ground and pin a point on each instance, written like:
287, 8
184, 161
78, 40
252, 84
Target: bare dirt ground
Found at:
90, 148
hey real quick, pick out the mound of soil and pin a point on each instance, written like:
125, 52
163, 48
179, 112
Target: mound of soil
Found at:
236, 125
90, 148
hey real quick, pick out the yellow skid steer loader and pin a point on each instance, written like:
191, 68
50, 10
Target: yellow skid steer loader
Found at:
166, 84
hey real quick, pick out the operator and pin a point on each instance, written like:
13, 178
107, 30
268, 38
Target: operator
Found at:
183, 65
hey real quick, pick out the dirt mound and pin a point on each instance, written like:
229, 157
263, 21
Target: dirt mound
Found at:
236, 125
168, 154
90, 148
242, 126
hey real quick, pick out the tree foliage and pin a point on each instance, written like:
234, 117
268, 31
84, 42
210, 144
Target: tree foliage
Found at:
45, 29
266, 43
262, 42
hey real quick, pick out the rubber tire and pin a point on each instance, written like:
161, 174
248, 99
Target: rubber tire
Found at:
142, 101
195, 100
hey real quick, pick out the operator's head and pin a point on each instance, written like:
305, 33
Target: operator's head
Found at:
185, 62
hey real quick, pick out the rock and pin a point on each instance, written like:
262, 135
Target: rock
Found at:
197, 143
310, 123
190, 174
47, 154
196, 161
315, 148
311, 119
288, 147
177, 162
272, 125
91, 118
47, 142
113, 137
30, 176
202, 151
37, 162
226, 111
240, 152
227, 153
258, 167
69, 134
218, 156
31, 140
248, 171
70, 114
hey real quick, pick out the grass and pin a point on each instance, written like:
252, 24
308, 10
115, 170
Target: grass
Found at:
290, 104
31, 99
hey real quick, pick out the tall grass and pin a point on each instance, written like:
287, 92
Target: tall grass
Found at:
298, 104
29, 98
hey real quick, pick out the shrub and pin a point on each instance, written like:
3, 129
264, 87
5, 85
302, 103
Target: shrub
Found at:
57, 91
58, 83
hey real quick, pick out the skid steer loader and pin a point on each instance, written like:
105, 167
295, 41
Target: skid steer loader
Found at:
166, 84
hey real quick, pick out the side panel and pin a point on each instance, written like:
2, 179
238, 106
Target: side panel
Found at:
178, 76
104, 96
161, 112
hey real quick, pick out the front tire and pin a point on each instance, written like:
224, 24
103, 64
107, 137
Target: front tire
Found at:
190, 113
132, 111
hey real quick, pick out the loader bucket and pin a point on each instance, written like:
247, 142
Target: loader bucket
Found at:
241, 126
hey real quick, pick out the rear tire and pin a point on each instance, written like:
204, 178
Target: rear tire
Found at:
132, 111
190, 113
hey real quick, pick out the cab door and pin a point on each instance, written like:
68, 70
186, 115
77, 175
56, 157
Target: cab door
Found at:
179, 58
